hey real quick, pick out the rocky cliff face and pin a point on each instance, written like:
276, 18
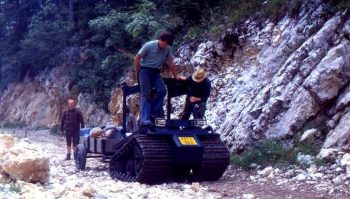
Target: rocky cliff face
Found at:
39, 102
290, 76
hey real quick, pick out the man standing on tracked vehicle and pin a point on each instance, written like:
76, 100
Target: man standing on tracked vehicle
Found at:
71, 122
148, 62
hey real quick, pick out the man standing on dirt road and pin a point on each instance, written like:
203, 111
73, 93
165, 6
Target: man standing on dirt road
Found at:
148, 62
71, 122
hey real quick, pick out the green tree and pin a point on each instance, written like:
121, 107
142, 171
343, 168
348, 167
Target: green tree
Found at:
14, 18
48, 34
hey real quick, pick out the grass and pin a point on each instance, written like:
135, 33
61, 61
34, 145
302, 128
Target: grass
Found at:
272, 152
16, 188
264, 153
11, 187
275, 7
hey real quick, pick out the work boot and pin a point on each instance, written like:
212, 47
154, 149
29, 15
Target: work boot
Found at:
75, 156
67, 157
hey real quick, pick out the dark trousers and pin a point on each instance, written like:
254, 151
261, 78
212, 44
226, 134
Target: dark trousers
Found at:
198, 110
151, 105
72, 138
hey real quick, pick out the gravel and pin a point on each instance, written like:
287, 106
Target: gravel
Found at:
327, 181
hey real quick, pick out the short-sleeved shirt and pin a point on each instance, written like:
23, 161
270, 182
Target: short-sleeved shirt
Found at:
153, 56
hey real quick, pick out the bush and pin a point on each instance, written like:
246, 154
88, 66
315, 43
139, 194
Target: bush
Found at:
275, 7
99, 74
268, 152
33, 34
340, 5
272, 152
240, 10
294, 7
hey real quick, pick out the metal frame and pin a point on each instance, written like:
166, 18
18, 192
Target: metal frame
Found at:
174, 87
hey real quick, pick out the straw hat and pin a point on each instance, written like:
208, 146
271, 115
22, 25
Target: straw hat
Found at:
199, 75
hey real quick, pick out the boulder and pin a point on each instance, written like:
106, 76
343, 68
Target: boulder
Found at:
305, 160
195, 186
345, 162
340, 134
21, 162
266, 172
301, 177
89, 192
309, 135
328, 154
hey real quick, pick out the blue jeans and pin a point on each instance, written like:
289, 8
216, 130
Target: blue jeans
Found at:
151, 104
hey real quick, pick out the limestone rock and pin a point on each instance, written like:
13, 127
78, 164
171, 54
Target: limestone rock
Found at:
309, 135
301, 177
20, 162
89, 192
39, 102
305, 160
328, 154
266, 172
289, 72
195, 186
345, 162
331, 74
339, 135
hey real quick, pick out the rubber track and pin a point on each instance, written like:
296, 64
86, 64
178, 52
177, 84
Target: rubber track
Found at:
157, 160
158, 154
216, 159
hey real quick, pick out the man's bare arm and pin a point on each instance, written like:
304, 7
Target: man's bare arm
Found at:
172, 68
195, 99
137, 61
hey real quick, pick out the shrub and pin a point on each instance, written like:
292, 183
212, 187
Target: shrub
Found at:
48, 34
294, 7
267, 152
275, 7
240, 10
340, 5
272, 152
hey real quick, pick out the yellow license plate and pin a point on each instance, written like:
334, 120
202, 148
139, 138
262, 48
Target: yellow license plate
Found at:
187, 141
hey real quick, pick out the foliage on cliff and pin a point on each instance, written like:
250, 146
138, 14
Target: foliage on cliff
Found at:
38, 35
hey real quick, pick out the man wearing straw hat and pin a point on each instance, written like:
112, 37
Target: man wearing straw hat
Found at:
199, 91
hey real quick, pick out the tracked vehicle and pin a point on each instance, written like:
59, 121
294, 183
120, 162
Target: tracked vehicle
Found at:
171, 150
